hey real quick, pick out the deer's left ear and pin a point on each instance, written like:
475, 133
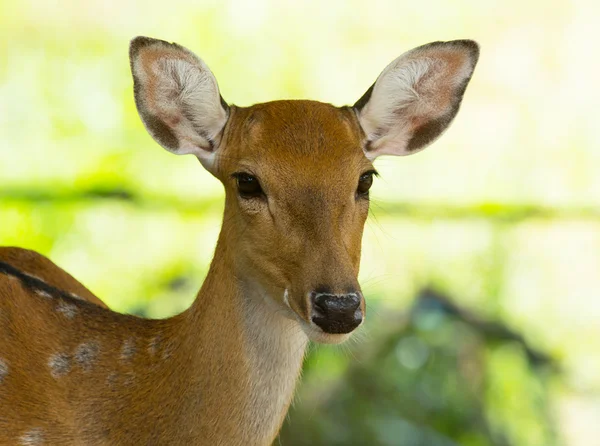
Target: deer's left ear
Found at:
416, 97
177, 98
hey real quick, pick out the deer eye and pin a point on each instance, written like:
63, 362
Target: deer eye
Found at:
248, 185
364, 183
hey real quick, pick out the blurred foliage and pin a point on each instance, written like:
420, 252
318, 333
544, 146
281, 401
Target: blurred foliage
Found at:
500, 216
431, 379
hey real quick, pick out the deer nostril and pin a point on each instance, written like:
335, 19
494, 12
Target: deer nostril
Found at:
336, 313
319, 307
335, 303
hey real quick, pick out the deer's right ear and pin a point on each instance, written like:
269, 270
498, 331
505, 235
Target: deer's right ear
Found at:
177, 98
416, 97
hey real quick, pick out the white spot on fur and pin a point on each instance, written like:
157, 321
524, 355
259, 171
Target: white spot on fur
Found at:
86, 354
75, 296
3, 370
69, 310
60, 364
128, 350
154, 345
33, 437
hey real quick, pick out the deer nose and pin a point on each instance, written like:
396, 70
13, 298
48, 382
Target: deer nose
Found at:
336, 313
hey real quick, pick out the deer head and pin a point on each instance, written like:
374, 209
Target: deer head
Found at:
297, 173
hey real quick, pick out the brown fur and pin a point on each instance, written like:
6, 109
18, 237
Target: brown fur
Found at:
309, 172
35, 264
73, 372
199, 394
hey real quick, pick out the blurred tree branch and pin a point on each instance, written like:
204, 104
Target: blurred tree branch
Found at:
492, 331
495, 211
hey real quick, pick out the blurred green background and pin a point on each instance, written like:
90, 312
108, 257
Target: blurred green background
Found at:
481, 255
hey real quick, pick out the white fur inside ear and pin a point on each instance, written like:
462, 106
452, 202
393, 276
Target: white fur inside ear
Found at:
416, 89
178, 99
395, 91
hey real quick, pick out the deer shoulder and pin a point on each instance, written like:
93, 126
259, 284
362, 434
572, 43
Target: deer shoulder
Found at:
38, 266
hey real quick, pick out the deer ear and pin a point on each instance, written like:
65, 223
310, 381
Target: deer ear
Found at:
416, 97
177, 98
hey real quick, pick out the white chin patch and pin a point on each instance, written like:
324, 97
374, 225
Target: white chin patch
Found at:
315, 334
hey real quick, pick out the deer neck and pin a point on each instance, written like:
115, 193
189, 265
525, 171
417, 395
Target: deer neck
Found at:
247, 355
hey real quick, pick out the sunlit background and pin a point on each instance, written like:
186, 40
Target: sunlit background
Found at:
481, 256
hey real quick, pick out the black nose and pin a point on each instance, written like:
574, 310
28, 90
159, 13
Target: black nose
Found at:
336, 313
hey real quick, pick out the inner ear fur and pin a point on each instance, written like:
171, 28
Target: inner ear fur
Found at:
177, 97
416, 97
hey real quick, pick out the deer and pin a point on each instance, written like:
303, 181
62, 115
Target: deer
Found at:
296, 175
